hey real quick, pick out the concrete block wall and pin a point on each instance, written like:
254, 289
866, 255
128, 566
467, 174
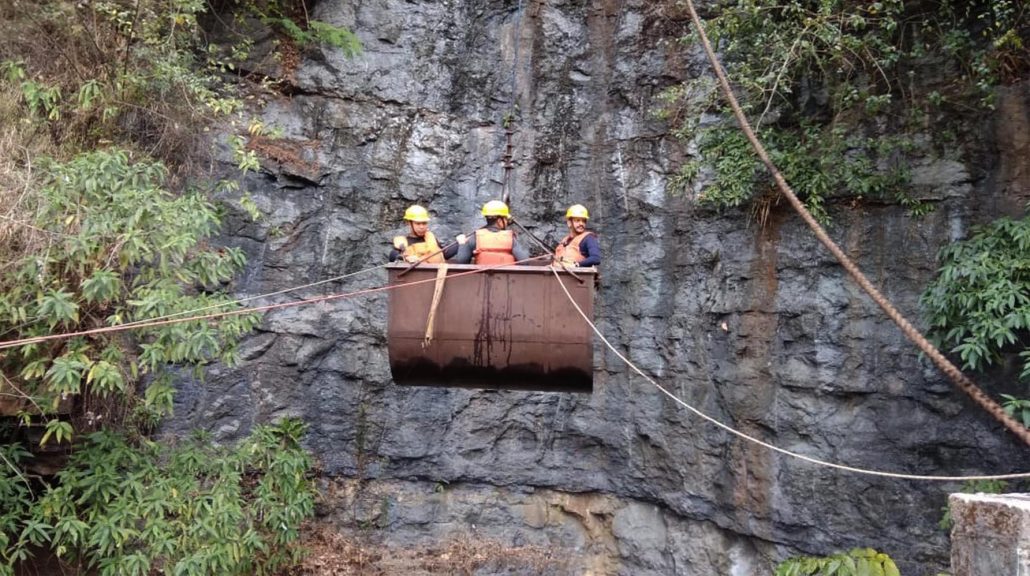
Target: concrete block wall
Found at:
991, 534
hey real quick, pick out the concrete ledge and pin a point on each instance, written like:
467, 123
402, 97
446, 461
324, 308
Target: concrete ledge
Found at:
991, 534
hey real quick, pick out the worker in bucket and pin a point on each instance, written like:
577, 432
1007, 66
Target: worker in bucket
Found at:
580, 247
494, 243
420, 245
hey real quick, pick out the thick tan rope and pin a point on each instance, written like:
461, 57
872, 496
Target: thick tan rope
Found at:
762, 443
441, 276
945, 365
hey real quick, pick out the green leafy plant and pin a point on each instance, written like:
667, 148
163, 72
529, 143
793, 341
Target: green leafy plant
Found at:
814, 160
1018, 408
121, 507
839, 90
112, 237
146, 71
979, 303
291, 19
857, 562
119, 248
114, 245
17, 495
108, 70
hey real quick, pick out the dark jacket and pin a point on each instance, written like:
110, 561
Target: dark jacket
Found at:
590, 248
448, 251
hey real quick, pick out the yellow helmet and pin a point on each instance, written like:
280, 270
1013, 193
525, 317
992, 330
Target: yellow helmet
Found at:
416, 213
496, 208
577, 211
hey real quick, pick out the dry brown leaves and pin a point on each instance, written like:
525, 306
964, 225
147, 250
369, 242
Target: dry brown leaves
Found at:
330, 553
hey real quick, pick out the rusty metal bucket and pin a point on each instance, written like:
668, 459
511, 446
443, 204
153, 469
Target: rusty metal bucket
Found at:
504, 328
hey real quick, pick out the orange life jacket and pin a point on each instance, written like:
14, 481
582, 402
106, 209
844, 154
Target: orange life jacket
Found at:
493, 248
568, 249
422, 249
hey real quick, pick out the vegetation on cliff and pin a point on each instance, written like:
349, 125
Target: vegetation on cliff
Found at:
844, 93
857, 562
979, 304
106, 222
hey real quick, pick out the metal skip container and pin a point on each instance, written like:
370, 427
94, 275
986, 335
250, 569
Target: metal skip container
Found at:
506, 328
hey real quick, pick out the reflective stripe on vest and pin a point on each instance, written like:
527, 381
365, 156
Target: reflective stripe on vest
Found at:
493, 248
568, 249
422, 249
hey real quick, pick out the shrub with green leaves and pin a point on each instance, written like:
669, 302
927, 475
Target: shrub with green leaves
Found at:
857, 562
814, 160
115, 246
840, 91
108, 238
979, 303
1018, 408
147, 72
978, 306
290, 18
17, 495
139, 508
118, 248
106, 70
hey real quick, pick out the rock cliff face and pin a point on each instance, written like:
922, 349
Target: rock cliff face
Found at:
752, 322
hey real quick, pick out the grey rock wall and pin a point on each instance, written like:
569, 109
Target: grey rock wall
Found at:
751, 322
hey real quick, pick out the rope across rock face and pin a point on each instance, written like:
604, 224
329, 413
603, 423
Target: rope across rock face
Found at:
178, 319
945, 365
764, 444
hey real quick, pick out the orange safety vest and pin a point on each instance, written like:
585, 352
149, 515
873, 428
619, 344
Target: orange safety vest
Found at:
568, 249
422, 249
493, 248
